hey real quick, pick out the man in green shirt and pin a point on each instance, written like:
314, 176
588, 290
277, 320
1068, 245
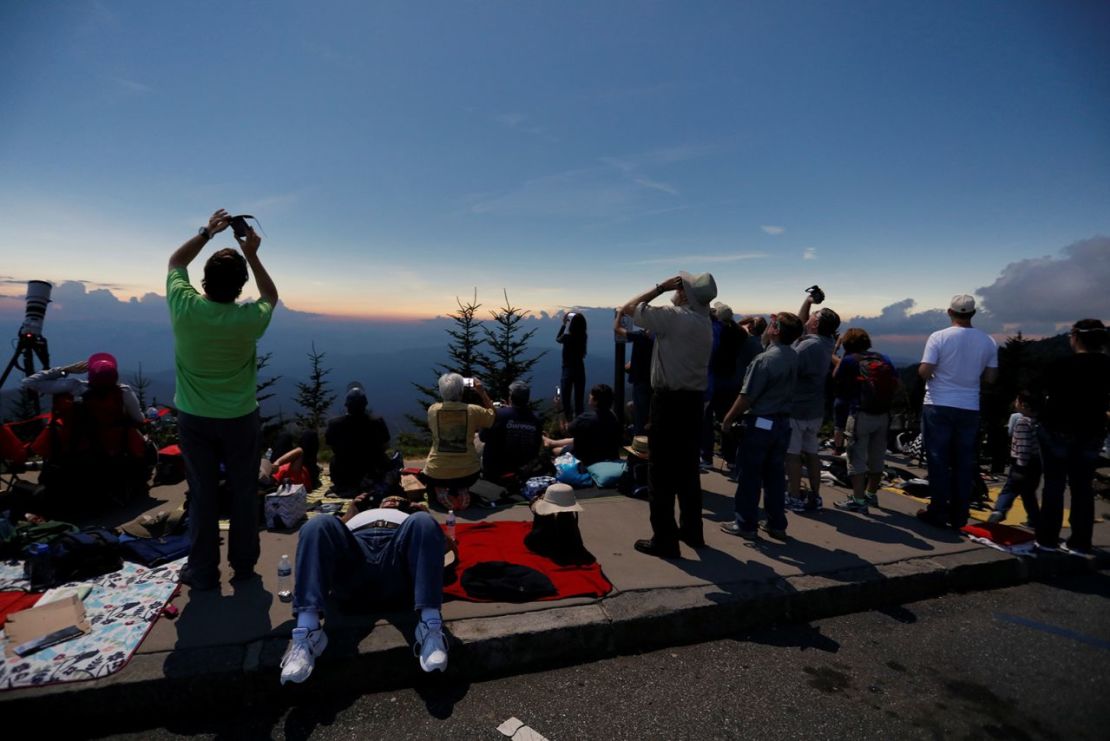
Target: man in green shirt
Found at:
217, 420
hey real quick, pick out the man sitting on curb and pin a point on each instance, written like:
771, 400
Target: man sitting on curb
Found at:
385, 556
763, 411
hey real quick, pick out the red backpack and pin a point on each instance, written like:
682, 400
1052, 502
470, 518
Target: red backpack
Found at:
878, 382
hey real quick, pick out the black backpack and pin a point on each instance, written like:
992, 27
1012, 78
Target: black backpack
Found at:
85, 554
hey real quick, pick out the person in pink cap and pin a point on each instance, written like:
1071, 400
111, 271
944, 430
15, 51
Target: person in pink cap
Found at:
101, 371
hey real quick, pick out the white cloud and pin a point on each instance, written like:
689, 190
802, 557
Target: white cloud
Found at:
809, 254
774, 231
656, 185
687, 259
131, 86
1053, 290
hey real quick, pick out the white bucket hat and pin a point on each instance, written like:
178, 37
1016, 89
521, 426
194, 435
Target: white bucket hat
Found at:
557, 498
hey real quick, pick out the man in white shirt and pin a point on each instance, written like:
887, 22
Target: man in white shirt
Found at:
956, 359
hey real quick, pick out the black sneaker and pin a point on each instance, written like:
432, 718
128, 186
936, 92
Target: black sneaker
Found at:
774, 532
197, 584
651, 548
733, 528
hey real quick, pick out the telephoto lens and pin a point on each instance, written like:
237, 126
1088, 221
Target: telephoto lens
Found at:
38, 296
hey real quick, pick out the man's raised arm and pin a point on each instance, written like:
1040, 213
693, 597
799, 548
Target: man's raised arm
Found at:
671, 284
249, 244
188, 252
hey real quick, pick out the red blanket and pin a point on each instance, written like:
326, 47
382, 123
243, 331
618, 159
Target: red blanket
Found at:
504, 541
14, 602
1004, 535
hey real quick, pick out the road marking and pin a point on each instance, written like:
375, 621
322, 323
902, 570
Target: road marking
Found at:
1054, 630
514, 728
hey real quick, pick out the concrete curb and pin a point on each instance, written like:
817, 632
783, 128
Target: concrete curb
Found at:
160, 688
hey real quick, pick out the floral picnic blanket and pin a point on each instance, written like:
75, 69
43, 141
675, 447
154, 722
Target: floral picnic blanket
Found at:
121, 608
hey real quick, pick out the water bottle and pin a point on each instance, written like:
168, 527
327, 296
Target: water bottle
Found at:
39, 569
269, 454
451, 524
7, 530
285, 579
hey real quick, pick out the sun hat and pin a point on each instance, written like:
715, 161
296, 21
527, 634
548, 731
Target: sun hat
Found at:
639, 447
699, 289
557, 498
962, 304
724, 311
103, 370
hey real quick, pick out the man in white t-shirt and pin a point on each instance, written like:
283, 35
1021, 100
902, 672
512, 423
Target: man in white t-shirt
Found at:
956, 359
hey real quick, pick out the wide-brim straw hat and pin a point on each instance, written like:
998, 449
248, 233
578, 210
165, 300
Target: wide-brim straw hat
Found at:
557, 498
639, 447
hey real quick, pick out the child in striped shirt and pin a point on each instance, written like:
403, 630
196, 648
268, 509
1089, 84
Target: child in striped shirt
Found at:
1025, 463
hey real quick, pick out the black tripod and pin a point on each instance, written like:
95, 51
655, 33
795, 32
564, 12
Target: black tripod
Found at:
30, 345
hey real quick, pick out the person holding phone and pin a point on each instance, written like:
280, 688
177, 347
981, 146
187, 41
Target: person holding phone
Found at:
572, 380
215, 356
453, 464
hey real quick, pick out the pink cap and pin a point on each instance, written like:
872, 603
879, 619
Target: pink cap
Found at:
103, 370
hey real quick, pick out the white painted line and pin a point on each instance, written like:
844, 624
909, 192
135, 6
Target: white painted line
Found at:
511, 726
527, 734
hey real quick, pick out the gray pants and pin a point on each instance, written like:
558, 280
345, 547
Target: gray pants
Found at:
206, 442
867, 442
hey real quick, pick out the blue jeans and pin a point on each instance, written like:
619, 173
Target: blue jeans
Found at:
378, 566
949, 435
206, 442
572, 382
1022, 481
1068, 461
762, 460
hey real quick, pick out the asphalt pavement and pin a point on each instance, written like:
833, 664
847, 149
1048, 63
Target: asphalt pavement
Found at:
1027, 662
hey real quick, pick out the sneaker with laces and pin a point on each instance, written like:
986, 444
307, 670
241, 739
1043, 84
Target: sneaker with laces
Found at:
872, 498
851, 504
431, 646
995, 517
733, 528
795, 504
300, 657
814, 505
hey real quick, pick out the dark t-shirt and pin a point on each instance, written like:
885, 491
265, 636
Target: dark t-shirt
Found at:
597, 436
514, 440
722, 364
358, 443
1077, 395
574, 347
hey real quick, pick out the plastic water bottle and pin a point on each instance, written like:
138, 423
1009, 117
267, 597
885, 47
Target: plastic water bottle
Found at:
285, 579
451, 524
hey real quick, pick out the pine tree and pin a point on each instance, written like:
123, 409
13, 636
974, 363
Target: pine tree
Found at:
263, 387
140, 384
314, 397
463, 352
507, 359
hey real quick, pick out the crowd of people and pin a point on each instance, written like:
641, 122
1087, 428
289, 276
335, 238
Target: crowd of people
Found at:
753, 390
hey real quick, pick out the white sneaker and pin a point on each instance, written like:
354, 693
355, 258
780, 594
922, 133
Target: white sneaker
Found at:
300, 657
431, 646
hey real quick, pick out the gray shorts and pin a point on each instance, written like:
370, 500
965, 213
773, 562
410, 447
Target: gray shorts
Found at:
866, 435
803, 435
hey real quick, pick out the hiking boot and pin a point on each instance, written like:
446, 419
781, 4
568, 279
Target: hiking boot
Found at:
431, 646
851, 504
774, 532
733, 528
995, 517
300, 657
930, 519
653, 548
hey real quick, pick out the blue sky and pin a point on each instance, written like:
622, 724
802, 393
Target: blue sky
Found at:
400, 154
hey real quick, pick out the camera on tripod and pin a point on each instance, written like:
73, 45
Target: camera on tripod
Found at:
30, 341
